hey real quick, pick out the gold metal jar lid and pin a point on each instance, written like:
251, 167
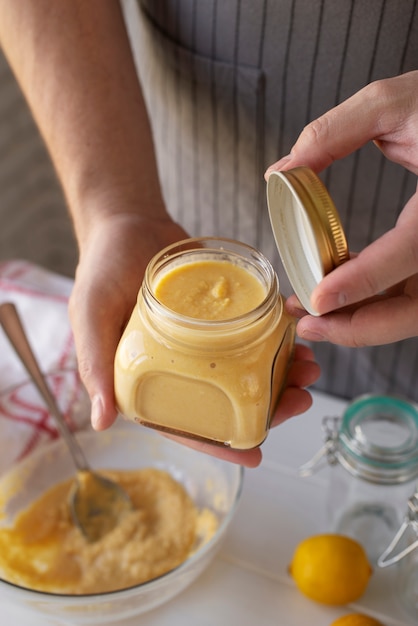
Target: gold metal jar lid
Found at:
307, 229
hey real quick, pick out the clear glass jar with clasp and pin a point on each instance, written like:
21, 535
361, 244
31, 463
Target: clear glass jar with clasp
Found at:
372, 451
183, 369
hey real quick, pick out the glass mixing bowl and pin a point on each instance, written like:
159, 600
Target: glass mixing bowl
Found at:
210, 482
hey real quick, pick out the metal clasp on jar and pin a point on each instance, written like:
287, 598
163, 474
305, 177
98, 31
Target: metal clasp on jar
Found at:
328, 454
410, 522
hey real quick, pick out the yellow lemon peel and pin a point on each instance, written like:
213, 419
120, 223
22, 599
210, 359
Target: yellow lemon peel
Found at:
356, 619
330, 569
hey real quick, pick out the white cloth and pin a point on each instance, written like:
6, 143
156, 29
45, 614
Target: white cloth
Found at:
41, 298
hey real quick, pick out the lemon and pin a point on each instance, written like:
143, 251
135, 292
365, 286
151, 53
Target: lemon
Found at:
331, 569
356, 619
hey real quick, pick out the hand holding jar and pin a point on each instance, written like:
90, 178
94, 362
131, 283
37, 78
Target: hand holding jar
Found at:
103, 299
208, 347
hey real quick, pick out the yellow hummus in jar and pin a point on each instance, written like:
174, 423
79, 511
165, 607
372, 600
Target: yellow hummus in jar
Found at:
210, 290
43, 550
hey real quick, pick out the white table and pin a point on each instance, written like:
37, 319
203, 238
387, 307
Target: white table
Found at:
247, 583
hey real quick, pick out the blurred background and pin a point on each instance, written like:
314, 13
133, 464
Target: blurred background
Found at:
34, 223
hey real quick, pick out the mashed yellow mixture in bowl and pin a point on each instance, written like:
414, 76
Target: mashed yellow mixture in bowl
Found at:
183, 502
44, 550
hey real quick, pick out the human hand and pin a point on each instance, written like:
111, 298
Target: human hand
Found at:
371, 299
113, 258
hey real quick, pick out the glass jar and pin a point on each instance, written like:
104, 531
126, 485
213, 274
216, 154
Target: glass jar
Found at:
216, 380
373, 455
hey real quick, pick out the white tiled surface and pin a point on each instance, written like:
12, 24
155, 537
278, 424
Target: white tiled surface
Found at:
247, 583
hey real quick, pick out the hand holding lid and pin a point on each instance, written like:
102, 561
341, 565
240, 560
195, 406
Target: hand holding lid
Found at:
307, 229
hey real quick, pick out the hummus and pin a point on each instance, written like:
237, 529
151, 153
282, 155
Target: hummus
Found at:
210, 290
45, 551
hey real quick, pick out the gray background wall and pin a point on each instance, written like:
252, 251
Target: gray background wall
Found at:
34, 223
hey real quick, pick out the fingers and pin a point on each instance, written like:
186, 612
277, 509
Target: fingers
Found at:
294, 401
303, 352
376, 323
384, 111
98, 308
112, 262
95, 350
303, 373
332, 136
294, 307
370, 300
386, 262
247, 458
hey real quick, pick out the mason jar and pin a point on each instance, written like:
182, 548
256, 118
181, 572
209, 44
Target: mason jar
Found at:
372, 451
192, 364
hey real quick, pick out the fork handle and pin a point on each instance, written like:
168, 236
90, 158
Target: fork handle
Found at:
13, 327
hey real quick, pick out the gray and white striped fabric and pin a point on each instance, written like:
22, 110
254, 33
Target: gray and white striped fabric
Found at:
229, 86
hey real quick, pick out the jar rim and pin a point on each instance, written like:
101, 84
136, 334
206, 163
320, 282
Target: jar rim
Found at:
221, 247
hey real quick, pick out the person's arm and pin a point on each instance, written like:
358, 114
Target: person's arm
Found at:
74, 65
373, 298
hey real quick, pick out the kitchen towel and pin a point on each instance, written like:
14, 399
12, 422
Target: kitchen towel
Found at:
41, 298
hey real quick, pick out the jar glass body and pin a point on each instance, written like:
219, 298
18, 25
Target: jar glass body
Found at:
217, 381
369, 512
374, 459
